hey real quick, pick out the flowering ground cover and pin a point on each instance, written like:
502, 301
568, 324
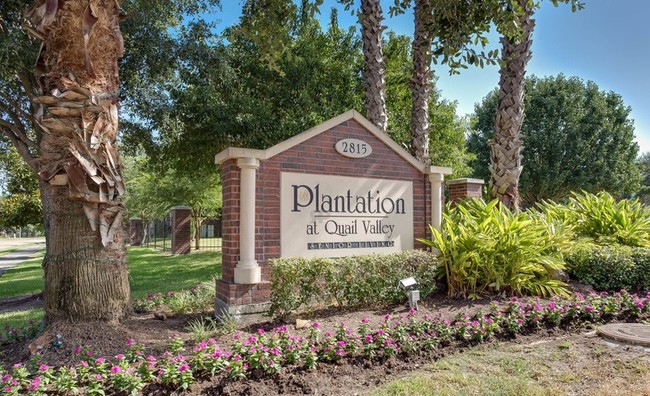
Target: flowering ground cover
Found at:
271, 358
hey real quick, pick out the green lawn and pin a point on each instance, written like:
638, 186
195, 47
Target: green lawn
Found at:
150, 271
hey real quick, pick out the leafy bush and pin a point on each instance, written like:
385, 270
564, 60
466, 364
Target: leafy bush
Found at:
196, 300
611, 267
485, 248
348, 281
603, 219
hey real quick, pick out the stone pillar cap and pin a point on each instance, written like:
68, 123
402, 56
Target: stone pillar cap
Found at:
468, 181
181, 207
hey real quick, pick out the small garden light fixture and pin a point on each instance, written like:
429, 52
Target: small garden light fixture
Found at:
409, 284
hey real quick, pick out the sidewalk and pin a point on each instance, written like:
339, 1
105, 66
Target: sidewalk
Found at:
24, 252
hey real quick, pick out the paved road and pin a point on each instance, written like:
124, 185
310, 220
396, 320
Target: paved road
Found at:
27, 249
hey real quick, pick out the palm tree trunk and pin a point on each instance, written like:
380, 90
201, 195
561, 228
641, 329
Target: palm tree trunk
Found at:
507, 144
421, 81
81, 177
375, 68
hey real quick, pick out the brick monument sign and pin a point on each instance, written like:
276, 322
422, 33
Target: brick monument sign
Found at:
341, 188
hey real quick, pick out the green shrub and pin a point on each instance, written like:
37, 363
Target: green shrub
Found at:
348, 281
603, 219
485, 248
612, 267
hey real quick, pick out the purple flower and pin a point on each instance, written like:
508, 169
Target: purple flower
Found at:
7, 389
368, 339
130, 342
183, 367
364, 320
77, 349
551, 305
315, 325
340, 344
43, 367
116, 369
275, 351
260, 331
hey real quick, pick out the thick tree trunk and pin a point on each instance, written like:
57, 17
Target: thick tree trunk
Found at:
83, 279
507, 144
81, 177
375, 68
421, 81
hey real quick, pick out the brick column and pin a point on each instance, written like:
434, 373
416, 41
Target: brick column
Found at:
136, 231
181, 229
460, 189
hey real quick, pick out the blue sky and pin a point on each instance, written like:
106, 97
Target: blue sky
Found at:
608, 42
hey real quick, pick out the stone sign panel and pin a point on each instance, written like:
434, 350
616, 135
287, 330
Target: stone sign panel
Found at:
336, 216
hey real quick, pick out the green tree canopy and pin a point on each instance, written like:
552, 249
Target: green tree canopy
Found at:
577, 137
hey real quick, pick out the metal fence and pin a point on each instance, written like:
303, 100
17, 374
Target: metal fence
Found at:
209, 237
158, 234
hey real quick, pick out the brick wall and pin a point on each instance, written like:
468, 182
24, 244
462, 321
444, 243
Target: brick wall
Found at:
460, 189
181, 230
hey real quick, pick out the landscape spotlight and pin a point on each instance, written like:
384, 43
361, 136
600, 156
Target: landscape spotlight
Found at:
413, 295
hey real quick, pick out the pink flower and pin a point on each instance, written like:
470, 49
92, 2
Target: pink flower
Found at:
17, 365
130, 342
36, 382
7, 389
119, 357
100, 361
83, 363
551, 305
315, 325
99, 377
368, 339
89, 353
340, 344
116, 369
77, 349
260, 331
275, 351
43, 367
364, 320
183, 367
151, 358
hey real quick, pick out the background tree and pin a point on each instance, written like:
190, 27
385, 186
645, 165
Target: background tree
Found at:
228, 95
154, 191
577, 136
644, 168
21, 202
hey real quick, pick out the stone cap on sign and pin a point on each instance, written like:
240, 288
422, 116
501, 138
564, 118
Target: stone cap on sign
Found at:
465, 181
237, 152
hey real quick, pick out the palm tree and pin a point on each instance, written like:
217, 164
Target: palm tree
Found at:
77, 160
421, 80
507, 144
375, 68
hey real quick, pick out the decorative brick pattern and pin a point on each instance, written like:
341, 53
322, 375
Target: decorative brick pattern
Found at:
136, 231
181, 230
316, 155
460, 189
